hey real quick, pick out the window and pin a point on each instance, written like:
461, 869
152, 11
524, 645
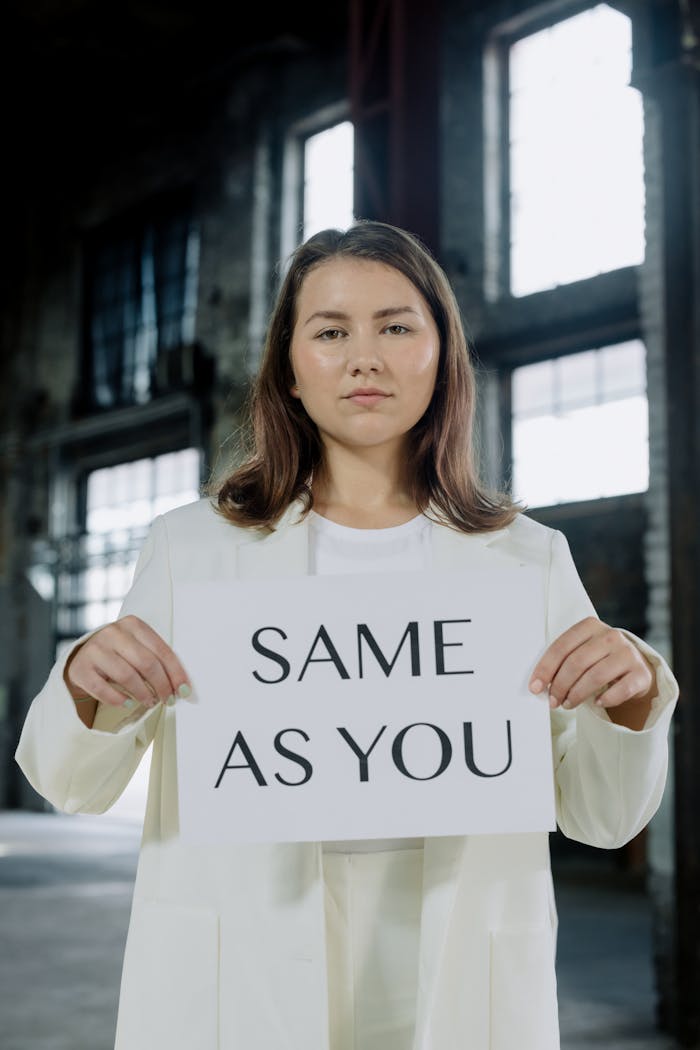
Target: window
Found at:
575, 170
86, 577
580, 426
94, 570
141, 302
328, 179
318, 176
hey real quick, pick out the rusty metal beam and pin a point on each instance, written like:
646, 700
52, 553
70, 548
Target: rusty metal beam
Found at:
394, 90
673, 82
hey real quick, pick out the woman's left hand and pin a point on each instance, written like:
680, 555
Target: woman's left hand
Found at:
594, 659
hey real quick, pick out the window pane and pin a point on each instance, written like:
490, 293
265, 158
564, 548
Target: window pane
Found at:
129, 495
141, 291
576, 162
533, 388
328, 179
623, 369
577, 377
584, 435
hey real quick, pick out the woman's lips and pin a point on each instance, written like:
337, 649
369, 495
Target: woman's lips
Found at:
367, 399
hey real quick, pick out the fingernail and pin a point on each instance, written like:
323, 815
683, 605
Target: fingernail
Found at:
170, 702
129, 704
184, 691
553, 702
567, 704
536, 686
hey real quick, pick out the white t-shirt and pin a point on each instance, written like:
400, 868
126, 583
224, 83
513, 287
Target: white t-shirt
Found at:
340, 549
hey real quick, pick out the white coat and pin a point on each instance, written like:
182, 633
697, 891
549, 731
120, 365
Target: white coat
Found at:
226, 944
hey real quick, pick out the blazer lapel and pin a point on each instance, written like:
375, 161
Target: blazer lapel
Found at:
460, 550
282, 554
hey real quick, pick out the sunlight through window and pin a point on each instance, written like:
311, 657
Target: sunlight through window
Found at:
576, 161
328, 179
580, 426
122, 501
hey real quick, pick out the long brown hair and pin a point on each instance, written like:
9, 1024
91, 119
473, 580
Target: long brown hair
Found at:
282, 446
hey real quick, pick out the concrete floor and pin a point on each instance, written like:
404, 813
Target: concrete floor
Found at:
65, 893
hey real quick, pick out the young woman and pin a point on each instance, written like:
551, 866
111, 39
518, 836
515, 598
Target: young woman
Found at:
360, 460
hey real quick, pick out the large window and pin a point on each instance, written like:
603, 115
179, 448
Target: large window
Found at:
328, 179
85, 577
574, 173
141, 291
318, 177
93, 571
580, 426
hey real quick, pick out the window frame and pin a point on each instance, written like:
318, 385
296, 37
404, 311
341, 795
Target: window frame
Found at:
132, 225
500, 356
106, 439
506, 418
292, 225
77, 448
496, 139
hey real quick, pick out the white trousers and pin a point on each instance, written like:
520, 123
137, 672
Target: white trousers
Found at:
372, 908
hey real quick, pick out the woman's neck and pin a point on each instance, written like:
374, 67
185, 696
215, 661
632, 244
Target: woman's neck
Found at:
363, 493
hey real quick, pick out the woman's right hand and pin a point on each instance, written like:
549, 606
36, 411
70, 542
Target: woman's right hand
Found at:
126, 661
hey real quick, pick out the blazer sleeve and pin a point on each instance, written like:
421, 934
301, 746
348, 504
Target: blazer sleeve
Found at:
609, 780
81, 770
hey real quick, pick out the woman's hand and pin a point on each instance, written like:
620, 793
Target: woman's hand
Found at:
126, 662
594, 659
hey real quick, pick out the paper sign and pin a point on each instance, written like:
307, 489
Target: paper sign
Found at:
368, 706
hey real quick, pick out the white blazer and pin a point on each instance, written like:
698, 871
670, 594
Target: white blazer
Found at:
226, 944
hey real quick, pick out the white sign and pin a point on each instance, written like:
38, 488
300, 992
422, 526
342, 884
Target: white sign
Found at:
368, 706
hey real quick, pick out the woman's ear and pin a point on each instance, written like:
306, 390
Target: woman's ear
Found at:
294, 390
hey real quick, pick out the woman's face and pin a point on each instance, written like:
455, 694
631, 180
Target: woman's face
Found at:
364, 353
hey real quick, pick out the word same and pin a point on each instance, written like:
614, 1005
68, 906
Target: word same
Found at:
323, 643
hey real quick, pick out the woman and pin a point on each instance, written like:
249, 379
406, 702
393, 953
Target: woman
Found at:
360, 460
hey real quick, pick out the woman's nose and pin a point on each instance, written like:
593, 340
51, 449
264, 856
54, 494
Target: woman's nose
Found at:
364, 356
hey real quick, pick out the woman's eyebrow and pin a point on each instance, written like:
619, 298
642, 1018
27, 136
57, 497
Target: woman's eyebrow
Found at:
328, 315
389, 311
339, 315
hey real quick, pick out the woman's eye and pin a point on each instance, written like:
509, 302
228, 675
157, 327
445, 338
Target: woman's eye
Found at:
396, 328
329, 334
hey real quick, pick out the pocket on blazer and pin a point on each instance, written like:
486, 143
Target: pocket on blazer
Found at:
523, 1011
170, 980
